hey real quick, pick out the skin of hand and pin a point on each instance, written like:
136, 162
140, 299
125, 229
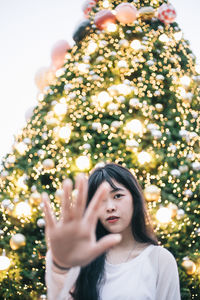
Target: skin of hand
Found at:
72, 238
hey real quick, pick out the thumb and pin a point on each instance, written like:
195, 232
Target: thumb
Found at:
107, 242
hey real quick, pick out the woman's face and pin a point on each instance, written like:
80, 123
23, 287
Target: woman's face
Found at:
119, 204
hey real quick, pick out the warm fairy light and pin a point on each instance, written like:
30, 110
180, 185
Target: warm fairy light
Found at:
182, 92
164, 38
21, 148
178, 35
60, 109
83, 68
83, 163
106, 4
103, 97
185, 80
197, 69
64, 132
135, 44
144, 157
111, 27
22, 209
123, 89
92, 46
21, 184
163, 215
4, 261
134, 126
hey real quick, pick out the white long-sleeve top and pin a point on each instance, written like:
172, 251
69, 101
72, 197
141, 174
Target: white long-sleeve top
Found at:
152, 275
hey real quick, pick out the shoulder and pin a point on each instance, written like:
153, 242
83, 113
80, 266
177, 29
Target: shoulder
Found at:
162, 256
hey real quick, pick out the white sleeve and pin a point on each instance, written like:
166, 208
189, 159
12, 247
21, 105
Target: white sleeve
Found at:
59, 285
168, 285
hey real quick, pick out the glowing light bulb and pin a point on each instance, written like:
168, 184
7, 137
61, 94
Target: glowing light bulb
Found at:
91, 47
185, 80
163, 215
22, 209
134, 126
106, 4
197, 69
144, 157
103, 97
83, 163
123, 89
64, 132
21, 148
111, 27
60, 109
4, 261
21, 184
83, 68
178, 35
136, 45
164, 38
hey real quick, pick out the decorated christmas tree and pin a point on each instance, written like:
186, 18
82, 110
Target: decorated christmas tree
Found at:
126, 92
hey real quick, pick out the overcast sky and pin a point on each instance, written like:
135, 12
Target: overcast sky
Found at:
29, 28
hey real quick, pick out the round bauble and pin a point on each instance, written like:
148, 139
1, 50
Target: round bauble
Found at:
180, 214
35, 198
81, 31
146, 13
18, 240
126, 13
183, 168
87, 7
189, 266
173, 208
196, 166
103, 18
152, 193
166, 13
41, 223
48, 164
58, 53
175, 173
159, 107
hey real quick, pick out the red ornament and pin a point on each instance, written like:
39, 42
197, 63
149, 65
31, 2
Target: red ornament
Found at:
166, 13
87, 7
58, 53
126, 13
103, 18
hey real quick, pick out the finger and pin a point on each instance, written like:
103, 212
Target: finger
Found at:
82, 187
66, 200
106, 243
50, 219
91, 213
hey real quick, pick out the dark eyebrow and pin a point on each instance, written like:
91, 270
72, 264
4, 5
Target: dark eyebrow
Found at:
116, 190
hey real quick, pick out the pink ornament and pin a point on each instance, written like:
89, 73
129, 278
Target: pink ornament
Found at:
58, 53
126, 13
87, 7
103, 18
43, 77
166, 13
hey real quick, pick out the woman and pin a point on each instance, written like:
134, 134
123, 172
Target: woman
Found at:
107, 251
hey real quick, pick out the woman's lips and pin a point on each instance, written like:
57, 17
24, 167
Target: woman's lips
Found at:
113, 220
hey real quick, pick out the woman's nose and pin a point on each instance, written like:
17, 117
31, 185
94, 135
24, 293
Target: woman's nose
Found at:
110, 206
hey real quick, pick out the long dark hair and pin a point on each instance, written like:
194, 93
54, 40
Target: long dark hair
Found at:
88, 281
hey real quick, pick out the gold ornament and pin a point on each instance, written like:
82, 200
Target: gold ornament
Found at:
173, 208
146, 13
18, 240
48, 164
189, 266
35, 198
152, 193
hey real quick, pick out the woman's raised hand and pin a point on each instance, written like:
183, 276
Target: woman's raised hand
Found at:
72, 239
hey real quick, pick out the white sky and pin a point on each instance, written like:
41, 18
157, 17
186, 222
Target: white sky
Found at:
29, 28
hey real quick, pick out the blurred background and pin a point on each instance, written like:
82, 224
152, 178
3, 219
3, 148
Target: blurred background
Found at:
29, 29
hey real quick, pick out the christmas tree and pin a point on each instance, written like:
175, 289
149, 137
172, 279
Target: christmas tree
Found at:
126, 92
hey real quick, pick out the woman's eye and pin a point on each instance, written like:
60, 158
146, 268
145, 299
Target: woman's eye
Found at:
117, 196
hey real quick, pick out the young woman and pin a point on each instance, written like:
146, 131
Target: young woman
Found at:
103, 246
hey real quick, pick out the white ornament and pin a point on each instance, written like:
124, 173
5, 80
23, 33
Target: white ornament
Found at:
196, 166
175, 173
157, 134
188, 193
183, 168
115, 124
96, 126
41, 223
134, 102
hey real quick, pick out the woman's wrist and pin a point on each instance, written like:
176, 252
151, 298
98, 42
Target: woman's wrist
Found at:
60, 268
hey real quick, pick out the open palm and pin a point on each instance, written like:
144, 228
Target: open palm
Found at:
72, 239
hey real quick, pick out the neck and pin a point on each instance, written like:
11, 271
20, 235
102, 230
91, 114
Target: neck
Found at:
127, 241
